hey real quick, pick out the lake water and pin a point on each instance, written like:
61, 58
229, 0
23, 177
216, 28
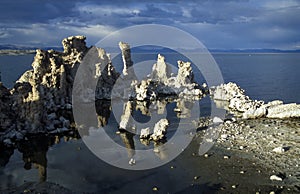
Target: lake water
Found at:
265, 76
66, 160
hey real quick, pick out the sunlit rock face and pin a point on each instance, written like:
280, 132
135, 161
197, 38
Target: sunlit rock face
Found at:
238, 102
283, 111
242, 106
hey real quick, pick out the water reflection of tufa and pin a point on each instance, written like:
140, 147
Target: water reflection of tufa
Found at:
151, 134
34, 151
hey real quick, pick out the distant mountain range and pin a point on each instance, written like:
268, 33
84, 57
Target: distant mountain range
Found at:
253, 51
21, 50
8, 49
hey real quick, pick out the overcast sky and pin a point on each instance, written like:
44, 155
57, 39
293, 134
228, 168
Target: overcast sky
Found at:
219, 24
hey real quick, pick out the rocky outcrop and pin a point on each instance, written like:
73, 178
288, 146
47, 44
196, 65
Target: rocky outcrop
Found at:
161, 85
41, 98
242, 106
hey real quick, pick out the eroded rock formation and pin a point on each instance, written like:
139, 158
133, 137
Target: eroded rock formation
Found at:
161, 85
41, 98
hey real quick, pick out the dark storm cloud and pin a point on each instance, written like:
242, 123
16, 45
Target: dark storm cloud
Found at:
218, 23
32, 11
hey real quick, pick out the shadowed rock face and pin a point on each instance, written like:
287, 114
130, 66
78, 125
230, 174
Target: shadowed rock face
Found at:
6, 116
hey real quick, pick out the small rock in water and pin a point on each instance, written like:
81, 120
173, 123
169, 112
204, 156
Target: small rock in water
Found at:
206, 155
217, 120
196, 177
131, 161
226, 157
234, 186
155, 189
272, 192
275, 178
